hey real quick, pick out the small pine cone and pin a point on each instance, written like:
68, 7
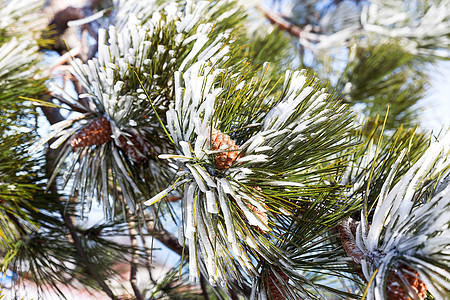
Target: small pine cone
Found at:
134, 147
275, 286
348, 241
221, 141
261, 215
395, 290
97, 132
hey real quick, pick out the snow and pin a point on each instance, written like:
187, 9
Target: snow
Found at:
401, 229
198, 179
211, 202
205, 176
193, 264
231, 233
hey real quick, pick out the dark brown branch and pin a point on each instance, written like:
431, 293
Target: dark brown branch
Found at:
275, 286
61, 18
61, 13
16, 222
89, 267
167, 238
171, 242
233, 294
173, 198
52, 114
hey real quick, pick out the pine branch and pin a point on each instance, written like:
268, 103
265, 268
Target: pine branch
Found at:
167, 238
402, 233
243, 220
171, 242
277, 19
17, 223
76, 108
60, 16
92, 271
53, 115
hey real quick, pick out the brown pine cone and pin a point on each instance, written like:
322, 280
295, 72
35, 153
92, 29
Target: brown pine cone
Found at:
348, 241
221, 141
97, 132
261, 215
395, 290
134, 147
224, 160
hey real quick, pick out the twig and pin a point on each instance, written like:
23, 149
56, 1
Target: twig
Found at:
275, 286
65, 58
147, 251
71, 105
62, 17
52, 114
171, 242
173, 198
134, 257
282, 23
89, 267
167, 238
16, 222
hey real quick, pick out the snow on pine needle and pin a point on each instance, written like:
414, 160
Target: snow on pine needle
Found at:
17, 68
227, 202
129, 85
405, 249
21, 18
20, 72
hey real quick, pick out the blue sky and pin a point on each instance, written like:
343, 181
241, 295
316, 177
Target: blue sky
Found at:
436, 107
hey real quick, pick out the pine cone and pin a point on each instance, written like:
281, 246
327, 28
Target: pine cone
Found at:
348, 241
221, 141
224, 160
134, 147
395, 290
275, 285
261, 215
97, 132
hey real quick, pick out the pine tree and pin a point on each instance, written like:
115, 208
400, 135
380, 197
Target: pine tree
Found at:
182, 115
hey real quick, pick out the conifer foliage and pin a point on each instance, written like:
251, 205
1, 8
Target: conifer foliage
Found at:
277, 190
